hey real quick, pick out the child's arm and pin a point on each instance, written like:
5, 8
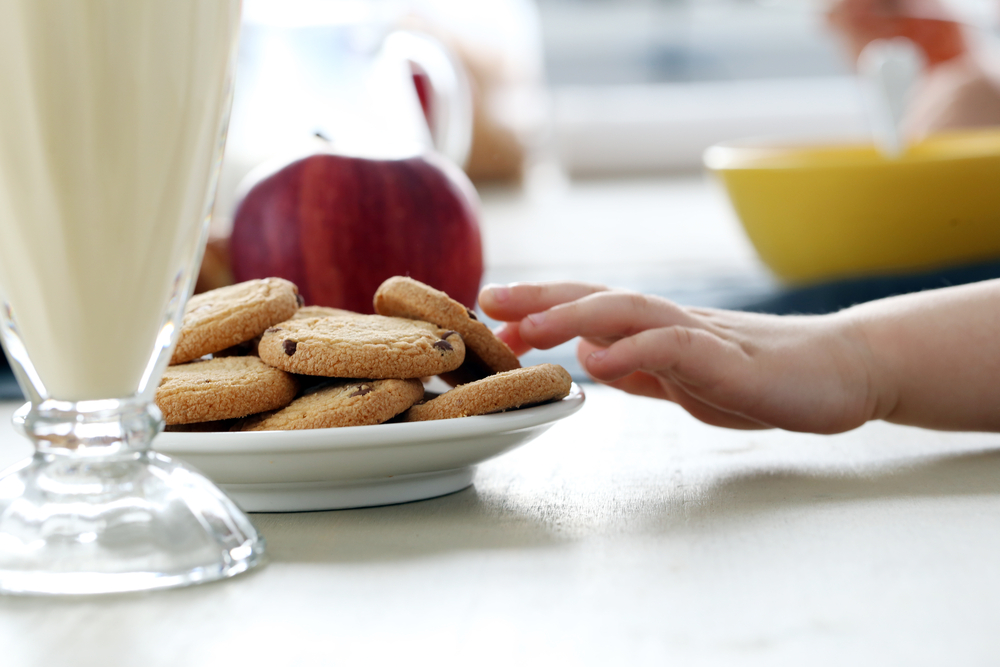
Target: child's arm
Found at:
935, 356
930, 359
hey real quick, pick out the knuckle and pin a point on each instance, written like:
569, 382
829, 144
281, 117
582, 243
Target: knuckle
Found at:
672, 337
637, 302
683, 337
532, 291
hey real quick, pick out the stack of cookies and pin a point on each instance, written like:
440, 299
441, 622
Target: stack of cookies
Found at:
251, 357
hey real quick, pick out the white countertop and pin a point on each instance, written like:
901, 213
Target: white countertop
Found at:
628, 534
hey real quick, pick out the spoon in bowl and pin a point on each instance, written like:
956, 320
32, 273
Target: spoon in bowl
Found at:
889, 70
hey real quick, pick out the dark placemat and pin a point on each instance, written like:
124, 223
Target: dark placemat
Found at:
758, 294
833, 296
9, 391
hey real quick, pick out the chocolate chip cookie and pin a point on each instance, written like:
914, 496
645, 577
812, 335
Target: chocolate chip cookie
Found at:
504, 391
341, 403
306, 312
361, 346
223, 388
485, 353
231, 315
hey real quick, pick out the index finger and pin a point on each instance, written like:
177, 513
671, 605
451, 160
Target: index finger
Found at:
604, 317
510, 303
510, 333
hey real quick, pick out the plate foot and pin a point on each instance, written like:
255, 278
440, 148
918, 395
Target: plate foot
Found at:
306, 496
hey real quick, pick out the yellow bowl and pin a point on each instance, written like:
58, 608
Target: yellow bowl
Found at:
832, 211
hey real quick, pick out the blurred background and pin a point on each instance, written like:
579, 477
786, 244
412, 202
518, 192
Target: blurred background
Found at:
596, 87
589, 119
647, 85
583, 126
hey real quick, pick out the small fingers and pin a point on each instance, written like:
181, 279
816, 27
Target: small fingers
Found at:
510, 333
714, 416
603, 317
642, 383
697, 356
509, 303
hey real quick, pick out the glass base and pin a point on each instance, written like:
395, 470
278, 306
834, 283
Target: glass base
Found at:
130, 521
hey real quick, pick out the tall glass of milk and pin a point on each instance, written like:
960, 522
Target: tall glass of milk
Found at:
112, 122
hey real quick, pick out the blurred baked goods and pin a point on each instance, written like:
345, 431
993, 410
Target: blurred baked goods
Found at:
499, 45
960, 87
963, 92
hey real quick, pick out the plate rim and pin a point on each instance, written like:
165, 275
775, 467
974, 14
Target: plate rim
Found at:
378, 435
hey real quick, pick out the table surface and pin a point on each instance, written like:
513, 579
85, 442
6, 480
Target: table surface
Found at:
627, 534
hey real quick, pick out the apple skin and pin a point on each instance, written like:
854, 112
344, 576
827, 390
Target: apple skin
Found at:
338, 226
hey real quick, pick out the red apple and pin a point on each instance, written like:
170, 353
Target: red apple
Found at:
338, 226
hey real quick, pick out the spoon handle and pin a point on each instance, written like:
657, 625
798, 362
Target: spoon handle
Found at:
889, 69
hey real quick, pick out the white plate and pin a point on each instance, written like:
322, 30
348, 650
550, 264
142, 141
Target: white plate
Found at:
359, 466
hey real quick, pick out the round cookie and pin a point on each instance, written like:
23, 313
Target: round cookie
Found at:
503, 391
341, 403
305, 312
223, 388
227, 316
485, 353
362, 346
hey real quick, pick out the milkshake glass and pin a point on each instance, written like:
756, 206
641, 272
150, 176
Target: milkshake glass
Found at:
112, 123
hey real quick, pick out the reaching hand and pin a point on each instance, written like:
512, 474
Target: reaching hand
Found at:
727, 368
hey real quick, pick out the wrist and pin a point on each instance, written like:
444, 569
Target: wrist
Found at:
864, 336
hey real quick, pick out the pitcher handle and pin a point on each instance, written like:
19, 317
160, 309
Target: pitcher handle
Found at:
450, 117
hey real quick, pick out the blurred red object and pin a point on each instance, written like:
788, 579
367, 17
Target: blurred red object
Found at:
925, 22
499, 45
960, 88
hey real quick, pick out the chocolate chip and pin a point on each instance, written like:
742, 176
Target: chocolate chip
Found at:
472, 315
361, 390
272, 330
299, 299
290, 346
443, 345
447, 334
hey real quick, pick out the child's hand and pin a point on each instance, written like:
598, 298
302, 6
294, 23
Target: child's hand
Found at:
726, 368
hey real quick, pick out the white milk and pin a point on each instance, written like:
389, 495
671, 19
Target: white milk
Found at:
111, 114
